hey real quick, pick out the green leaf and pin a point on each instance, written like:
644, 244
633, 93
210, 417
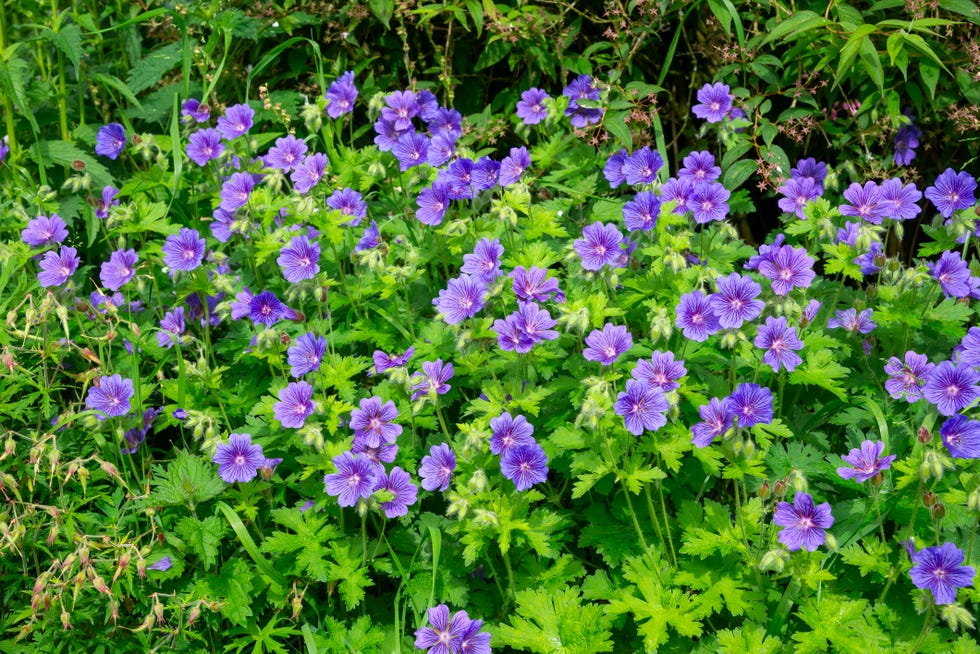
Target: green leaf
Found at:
476, 13
114, 82
930, 76
851, 49
920, 44
966, 8
737, 174
68, 39
896, 53
150, 70
870, 556
233, 587
748, 639
202, 536
62, 153
553, 622
14, 75
872, 63
616, 125
492, 53
187, 481
800, 21
820, 369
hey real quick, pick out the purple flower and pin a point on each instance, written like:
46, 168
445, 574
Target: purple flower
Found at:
398, 483
509, 433
708, 202
463, 297
107, 201
264, 308
583, 88
607, 345
400, 108
642, 166
486, 172
431, 381
43, 231
110, 140
300, 259
788, 268
236, 191
525, 465
184, 250
443, 635
717, 417
640, 213
286, 154
350, 203
696, 317
751, 404
803, 523
162, 565
810, 167
961, 436
437, 467
387, 135
699, 167
57, 268
193, 109
941, 570
714, 101
447, 123
865, 462
532, 284
341, 95
865, 202
968, 351
952, 273
678, 190
734, 302
510, 336
378, 456
171, 327
441, 150
906, 140
513, 166
661, 371
411, 149
384, 361
370, 239
952, 192
810, 312
906, 380
853, 321
109, 396
458, 178
432, 202
952, 387
798, 192
239, 459
599, 245
354, 479
295, 404
534, 323
306, 354
236, 121
473, 640
204, 145
613, 170
531, 108
309, 173
642, 406
779, 341
899, 202
484, 262
373, 422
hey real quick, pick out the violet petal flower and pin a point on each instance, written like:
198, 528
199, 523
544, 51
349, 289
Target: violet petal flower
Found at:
803, 523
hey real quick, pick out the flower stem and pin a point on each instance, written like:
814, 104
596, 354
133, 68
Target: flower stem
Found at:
926, 623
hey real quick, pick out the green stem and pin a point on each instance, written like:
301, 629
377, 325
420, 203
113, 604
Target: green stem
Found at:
510, 573
926, 623
442, 421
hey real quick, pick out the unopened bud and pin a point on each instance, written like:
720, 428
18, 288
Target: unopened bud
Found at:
956, 616
779, 489
764, 490
831, 542
929, 498
193, 615
478, 482
65, 620
877, 479
774, 560
924, 435
973, 500
939, 511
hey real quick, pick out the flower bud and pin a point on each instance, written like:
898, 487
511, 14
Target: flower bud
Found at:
830, 542
779, 489
877, 479
924, 435
939, 511
774, 560
764, 490
973, 500
928, 498
956, 616
478, 482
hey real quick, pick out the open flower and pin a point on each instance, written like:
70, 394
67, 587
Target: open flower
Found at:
941, 570
865, 462
803, 523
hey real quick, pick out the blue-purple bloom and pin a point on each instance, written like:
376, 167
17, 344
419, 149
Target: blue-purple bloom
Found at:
171, 328
370, 239
431, 380
961, 436
906, 140
411, 149
486, 172
865, 462
952, 273
264, 308
341, 95
642, 166
599, 245
295, 404
44, 230
941, 570
525, 465
952, 191
852, 321
236, 121
906, 380
109, 396
398, 483
447, 123
373, 422
354, 479
309, 173
436, 469
678, 190
110, 140
300, 259
810, 167
510, 432
798, 192
788, 268
898, 202
204, 145
613, 170
751, 404
708, 202
607, 345
714, 101
641, 213
286, 154
56, 268
865, 202
484, 262
735, 302
383, 361
581, 88
193, 109
463, 298
432, 202
661, 371
513, 166
306, 354
350, 203
533, 284
444, 635
779, 341
184, 250
643, 407
106, 202
717, 417
952, 387
400, 107
699, 167
696, 317
531, 108
236, 190
238, 459
803, 523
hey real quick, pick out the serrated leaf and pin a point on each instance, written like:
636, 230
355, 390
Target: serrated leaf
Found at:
14, 74
820, 369
556, 622
62, 153
869, 556
149, 70
233, 590
202, 536
68, 39
187, 480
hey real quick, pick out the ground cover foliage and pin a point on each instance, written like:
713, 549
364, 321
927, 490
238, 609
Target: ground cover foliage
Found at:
547, 327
